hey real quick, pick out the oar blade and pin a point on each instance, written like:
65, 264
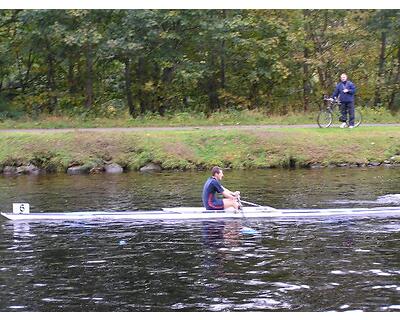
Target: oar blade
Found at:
248, 231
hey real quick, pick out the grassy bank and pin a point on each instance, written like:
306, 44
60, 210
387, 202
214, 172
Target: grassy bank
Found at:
254, 117
199, 149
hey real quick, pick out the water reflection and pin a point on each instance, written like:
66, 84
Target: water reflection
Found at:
21, 230
213, 234
309, 265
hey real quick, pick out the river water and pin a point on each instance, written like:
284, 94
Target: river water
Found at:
316, 264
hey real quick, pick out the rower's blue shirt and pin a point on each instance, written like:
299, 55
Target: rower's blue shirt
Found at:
211, 189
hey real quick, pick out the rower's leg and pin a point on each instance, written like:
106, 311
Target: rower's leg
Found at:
231, 203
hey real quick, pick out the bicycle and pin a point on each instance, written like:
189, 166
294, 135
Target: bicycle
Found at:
332, 110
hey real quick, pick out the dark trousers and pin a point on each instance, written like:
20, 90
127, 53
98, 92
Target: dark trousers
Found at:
347, 108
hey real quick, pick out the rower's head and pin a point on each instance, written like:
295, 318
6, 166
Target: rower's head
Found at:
343, 77
217, 173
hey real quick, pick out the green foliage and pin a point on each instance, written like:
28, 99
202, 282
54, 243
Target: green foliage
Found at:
8, 111
107, 63
393, 151
45, 160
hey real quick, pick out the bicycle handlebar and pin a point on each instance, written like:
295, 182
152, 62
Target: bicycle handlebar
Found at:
331, 99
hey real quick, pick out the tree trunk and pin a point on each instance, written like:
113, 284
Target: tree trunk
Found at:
164, 96
28, 71
140, 76
253, 96
306, 81
128, 87
320, 37
306, 69
381, 71
223, 64
72, 86
50, 80
212, 94
212, 85
80, 76
70, 77
392, 107
89, 76
51, 84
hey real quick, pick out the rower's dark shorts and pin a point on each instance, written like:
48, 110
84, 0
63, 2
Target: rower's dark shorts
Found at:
214, 203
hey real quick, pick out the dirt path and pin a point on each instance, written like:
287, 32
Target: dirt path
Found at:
189, 128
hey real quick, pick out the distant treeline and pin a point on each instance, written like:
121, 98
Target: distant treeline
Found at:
166, 61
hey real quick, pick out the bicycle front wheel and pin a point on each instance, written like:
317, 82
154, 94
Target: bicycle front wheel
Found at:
357, 118
324, 119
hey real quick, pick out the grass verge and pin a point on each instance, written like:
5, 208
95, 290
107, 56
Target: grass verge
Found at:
254, 117
200, 149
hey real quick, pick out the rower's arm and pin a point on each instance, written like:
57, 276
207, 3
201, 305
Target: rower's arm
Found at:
229, 194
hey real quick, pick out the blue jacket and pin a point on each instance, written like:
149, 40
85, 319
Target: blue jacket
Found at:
345, 97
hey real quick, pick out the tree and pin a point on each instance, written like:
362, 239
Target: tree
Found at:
86, 39
166, 61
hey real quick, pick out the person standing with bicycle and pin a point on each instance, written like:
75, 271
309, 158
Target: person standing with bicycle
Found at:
344, 92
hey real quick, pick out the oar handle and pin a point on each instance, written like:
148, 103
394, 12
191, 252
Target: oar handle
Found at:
251, 203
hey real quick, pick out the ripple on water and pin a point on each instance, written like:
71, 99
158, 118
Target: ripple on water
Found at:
52, 300
392, 307
347, 272
17, 307
96, 261
254, 283
295, 264
263, 304
388, 286
379, 272
289, 287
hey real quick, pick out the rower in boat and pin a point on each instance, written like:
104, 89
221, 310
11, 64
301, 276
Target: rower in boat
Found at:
213, 190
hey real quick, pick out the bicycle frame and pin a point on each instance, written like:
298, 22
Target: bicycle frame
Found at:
326, 115
332, 104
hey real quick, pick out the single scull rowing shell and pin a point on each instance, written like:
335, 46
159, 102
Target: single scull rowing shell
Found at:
185, 213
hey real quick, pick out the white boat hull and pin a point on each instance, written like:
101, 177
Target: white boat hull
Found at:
192, 213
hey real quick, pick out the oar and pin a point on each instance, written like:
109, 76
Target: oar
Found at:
245, 229
251, 203
257, 205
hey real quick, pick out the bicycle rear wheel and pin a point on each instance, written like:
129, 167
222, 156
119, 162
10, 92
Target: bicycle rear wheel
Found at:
357, 118
324, 119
